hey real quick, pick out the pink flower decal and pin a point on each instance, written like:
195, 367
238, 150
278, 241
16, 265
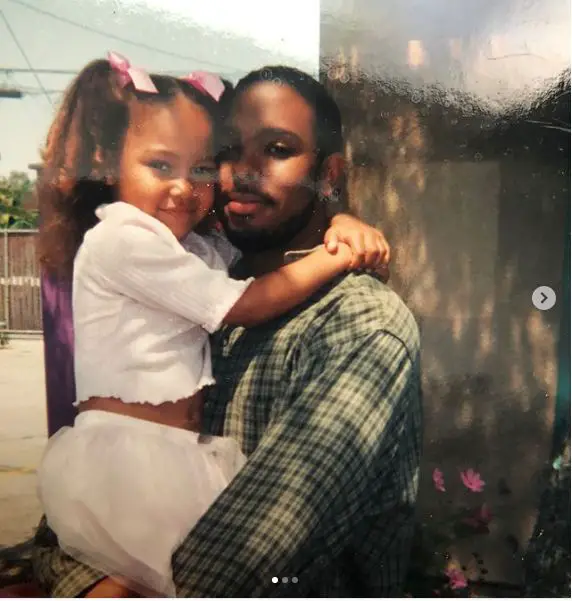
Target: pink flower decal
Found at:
457, 579
438, 480
472, 480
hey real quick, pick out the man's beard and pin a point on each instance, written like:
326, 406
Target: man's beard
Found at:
279, 238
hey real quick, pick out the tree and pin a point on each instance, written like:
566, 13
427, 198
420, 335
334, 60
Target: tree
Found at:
14, 190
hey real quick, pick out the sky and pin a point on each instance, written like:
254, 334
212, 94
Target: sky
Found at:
510, 47
225, 36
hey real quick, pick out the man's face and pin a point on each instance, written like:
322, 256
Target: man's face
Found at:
267, 173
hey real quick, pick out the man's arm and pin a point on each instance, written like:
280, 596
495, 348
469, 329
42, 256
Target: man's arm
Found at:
312, 478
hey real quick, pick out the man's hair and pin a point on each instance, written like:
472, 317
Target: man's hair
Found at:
327, 117
83, 151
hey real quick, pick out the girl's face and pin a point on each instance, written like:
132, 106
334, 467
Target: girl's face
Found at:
167, 169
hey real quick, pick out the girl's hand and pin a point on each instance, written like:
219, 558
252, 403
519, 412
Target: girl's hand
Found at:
369, 246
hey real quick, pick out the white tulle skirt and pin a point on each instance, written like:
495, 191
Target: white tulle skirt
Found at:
122, 493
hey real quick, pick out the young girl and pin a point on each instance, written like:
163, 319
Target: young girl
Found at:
128, 176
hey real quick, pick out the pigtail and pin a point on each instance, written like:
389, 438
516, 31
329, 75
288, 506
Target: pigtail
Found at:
80, 163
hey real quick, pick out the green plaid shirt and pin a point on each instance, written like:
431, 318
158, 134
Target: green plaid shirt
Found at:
326, 404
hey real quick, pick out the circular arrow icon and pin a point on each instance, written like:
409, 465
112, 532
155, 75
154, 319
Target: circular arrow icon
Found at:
544, 298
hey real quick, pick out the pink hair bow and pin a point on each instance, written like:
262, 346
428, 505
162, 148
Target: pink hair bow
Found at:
206, 82
126, 73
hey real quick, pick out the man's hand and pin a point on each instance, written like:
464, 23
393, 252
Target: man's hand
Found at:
369, 246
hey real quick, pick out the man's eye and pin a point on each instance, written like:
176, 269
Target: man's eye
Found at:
279, 151
163, 166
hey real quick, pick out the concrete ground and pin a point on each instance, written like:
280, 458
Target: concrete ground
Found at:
23, 435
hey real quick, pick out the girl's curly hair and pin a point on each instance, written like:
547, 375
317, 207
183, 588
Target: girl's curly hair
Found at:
82, 154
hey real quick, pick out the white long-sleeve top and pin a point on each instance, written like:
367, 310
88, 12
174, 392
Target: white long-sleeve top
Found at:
143, 306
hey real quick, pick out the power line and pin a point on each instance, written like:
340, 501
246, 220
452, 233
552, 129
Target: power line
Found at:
115, 37
50, 71
23, 52
36, 92
71, 72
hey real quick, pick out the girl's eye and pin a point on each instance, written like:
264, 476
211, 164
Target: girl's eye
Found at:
162, 166
279, 151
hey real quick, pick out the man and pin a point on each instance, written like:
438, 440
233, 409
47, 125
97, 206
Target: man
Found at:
325, 401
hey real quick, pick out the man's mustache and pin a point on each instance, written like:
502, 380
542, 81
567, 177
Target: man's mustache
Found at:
250, 186
251, 190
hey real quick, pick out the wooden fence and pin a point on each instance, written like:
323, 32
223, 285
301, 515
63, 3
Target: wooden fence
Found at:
20, 293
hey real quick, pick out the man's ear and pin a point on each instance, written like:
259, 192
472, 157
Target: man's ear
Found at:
332, 176
332, 188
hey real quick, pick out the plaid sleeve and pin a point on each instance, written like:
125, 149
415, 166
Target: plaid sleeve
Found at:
311, 480
56, 573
